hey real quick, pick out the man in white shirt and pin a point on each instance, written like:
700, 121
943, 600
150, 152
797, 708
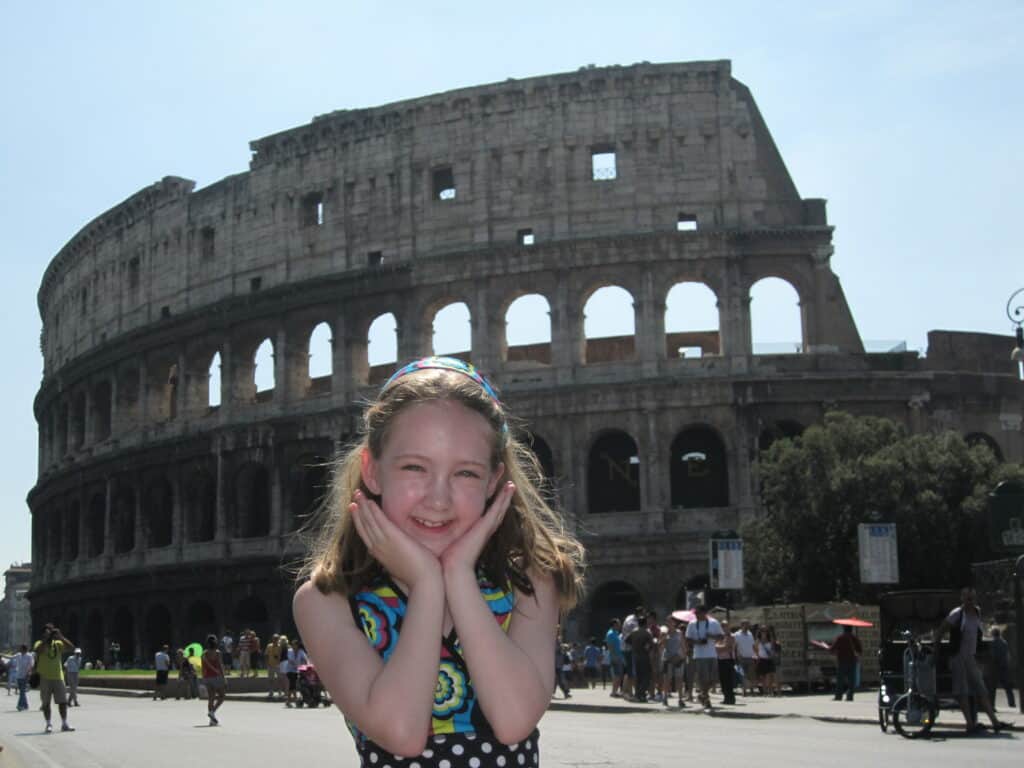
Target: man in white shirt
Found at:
701, 634
745, 654
23, 664
162, 664
72, 667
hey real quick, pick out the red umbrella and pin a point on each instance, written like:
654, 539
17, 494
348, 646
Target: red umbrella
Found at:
684, 616
853, 621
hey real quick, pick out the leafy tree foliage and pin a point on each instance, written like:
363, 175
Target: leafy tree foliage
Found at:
818, 487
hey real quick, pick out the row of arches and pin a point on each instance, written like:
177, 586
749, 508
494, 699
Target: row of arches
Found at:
141, 629
304, 360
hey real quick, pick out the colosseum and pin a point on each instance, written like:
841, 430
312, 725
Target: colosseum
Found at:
171, 485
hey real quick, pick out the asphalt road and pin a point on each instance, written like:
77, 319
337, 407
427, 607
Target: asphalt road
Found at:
128, 732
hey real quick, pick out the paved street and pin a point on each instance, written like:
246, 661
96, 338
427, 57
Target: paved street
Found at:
131, 731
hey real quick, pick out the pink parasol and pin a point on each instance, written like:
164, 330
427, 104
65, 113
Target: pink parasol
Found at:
853, 621
684, 616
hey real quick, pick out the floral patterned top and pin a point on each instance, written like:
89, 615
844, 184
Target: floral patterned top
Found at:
460, 733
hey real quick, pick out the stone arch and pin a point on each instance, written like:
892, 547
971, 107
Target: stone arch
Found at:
381, 348
252, 500
200, 621
122, 632
613, 474
73, 528
784, 428
612, 600
310, 477
544, 454
251, 613
527, 337
214, 385
158, 629
162, 381
452, 331
320, 366
128, 384
92, 643
95, 525
692, 322
102, 405
609, 325
158, 503
777, 324
698, 469
981, 438
124, 519
201, 506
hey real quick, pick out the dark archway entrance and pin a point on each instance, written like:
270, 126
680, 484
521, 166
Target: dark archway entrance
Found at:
613, 600
613, 474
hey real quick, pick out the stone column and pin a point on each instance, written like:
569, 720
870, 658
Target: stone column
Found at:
282, 388
140, 529
276, 505
178, 532
181, 393
221, 528
227, 381
83, 514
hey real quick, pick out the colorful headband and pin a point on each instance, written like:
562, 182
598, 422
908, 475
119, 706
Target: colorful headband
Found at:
447, 364
444, 364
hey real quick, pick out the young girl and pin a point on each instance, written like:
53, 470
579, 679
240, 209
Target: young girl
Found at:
436, 580
213, 678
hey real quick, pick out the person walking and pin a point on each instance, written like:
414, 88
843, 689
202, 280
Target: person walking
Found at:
72, 667
50, 666
213, 679
999, 653
162, 665
273, 657
701, 634
23, 664
964, 627
613, 642
745, 655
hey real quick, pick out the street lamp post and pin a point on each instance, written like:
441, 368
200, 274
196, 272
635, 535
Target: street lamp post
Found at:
1016, 315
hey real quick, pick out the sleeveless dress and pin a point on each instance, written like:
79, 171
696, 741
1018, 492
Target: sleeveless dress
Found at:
460, 735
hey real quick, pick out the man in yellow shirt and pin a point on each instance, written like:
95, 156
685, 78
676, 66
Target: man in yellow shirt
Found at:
50, 666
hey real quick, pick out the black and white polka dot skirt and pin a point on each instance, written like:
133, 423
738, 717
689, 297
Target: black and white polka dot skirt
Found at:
458, 750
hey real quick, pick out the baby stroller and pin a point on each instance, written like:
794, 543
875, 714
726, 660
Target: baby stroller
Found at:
311, 690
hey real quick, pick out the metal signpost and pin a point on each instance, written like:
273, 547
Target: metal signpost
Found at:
726, 556
1006, 535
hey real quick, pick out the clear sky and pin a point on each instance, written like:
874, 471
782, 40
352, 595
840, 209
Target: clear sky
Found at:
906, 116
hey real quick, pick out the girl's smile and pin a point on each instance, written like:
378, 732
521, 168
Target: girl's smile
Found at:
434, 474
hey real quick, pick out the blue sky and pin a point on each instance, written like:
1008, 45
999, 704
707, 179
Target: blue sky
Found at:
904, 115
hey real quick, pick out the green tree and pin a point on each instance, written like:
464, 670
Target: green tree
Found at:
818, 487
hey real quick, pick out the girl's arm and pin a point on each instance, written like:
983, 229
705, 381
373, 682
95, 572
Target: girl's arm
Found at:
391, 703
511, 673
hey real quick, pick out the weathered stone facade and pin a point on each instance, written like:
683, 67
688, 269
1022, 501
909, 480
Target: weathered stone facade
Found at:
157, 517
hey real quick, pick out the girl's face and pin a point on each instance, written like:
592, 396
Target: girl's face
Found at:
434, 474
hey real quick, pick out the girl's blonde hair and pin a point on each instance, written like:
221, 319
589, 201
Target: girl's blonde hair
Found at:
531, 537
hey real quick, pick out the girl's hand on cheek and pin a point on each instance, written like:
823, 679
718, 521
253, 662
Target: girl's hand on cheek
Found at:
404, 559
465, 551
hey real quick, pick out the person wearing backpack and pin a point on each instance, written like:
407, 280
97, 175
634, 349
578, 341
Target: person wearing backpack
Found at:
964, 627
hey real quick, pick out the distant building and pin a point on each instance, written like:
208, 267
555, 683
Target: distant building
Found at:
15, 618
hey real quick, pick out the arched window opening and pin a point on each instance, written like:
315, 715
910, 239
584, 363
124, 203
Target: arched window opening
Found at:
159, 514
612, 600
321, 358
162, 387
124, 517
96, 526
263, 371
453, 332
201, 507
214, 388
200, 621
252, 501
93, 648
128, 380
609, 325
309, 486
123, 634
786, 428
776, 326
78, 421
613, 474
980, 438
544, 455
251, 613
102, 403
691, 321
73, 527
698, 472
528, 330
159, 631
382, 348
